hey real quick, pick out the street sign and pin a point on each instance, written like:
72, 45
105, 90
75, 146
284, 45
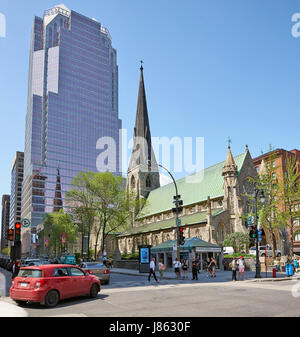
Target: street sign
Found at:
174, 247
25, 223
178, 222
250, 220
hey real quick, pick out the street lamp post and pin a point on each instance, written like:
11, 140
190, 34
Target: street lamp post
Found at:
176, 201
262, 199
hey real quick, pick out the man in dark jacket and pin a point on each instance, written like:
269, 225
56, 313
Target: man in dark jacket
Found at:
195, 266
15, 269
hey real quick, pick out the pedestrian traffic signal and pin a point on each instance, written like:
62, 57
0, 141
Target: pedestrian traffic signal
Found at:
180, 236
11, 233
18, 231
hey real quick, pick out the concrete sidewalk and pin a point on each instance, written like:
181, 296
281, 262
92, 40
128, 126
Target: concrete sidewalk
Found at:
221, 275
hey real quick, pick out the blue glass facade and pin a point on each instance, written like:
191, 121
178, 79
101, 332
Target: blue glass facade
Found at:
72, 103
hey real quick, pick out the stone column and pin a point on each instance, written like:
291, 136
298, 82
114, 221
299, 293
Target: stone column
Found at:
209, 220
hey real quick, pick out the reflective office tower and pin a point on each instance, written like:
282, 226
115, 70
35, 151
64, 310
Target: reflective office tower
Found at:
5, 221
72, 103
17, 173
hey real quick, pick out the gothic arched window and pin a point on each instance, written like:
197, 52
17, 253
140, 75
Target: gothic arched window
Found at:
148, 181
132, 183
221, 232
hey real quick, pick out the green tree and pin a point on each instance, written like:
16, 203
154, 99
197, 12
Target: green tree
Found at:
239, 241
270, 218
55, 224
83, 203
115, 206
289, 196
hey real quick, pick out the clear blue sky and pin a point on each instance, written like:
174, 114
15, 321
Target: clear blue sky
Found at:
213, 69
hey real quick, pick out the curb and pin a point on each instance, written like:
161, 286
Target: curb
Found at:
271, 279
141, 274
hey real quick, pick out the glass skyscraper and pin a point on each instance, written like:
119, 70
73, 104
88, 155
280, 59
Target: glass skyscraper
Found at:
72, 103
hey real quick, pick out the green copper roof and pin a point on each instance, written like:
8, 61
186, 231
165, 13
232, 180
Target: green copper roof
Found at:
161, 199
191, 219
189, 243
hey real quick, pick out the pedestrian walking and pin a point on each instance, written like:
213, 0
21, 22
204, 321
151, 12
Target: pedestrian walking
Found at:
208, 269
195, 269
15, 269
234, 267
241, 263
177, 266
185, 268
152, 270
212, 266
198, 261
161, 268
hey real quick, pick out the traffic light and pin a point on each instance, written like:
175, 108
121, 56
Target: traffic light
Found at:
252, 234
180, 235
178, 204
11, 233
18, 231
259, 233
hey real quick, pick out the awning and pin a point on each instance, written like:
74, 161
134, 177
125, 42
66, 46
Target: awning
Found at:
198, 244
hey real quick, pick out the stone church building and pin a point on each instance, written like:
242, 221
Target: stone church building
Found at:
213, 207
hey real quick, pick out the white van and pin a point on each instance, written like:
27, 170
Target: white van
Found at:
228, 250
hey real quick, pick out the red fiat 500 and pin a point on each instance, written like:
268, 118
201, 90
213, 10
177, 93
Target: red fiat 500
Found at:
48, 284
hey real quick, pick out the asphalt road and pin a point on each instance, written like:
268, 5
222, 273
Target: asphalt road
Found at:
133, 296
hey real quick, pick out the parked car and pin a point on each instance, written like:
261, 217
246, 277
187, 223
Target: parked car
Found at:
97, 269
262, 251
228, 250
31, 262
48, 284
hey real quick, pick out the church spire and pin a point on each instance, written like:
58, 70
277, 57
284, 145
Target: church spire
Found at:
230, 166
142, 153
143, 174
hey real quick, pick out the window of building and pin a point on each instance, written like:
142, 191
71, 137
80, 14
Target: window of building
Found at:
132, 182
297, 236
148, 182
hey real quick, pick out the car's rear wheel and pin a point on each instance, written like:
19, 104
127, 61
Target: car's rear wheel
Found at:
52, 299
94, 290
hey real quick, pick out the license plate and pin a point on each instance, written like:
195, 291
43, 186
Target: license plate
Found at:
24, 285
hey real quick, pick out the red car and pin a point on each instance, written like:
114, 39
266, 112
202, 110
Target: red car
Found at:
48, 284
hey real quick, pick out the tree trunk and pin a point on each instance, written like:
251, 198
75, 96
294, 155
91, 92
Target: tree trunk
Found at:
103, 238
291, 239
273, 243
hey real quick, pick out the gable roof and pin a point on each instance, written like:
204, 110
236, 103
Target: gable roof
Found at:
161, 199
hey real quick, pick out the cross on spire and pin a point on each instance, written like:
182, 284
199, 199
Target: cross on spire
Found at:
229, 141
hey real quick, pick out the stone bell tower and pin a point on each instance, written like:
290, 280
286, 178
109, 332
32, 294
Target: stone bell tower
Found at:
232, 200
143, 174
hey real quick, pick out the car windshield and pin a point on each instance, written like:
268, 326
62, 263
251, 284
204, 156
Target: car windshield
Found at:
35, 273
252, 248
